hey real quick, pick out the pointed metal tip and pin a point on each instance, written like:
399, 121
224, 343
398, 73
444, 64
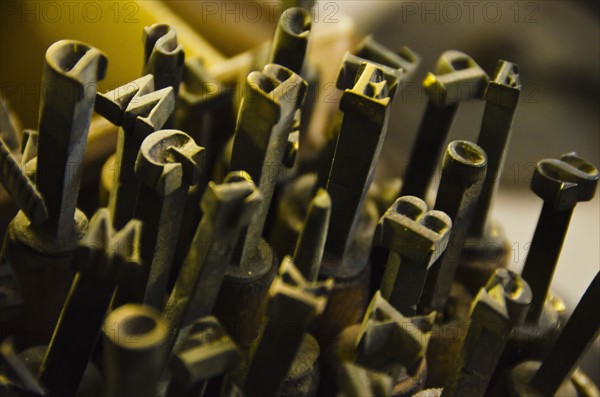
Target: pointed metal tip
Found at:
322, 200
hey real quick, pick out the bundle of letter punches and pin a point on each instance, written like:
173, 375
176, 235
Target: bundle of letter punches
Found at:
226, 259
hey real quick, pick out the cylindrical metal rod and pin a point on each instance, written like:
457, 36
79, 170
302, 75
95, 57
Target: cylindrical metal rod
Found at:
134, 336
501, 99
561, 184
463, 172
311, 242
71, 73
291, 39
578, 334
457, 78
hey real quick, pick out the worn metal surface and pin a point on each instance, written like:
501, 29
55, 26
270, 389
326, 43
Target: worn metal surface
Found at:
480, 257
457, 78
227, 208
39, 255
311, 242
259, 347
71, 72
207, 352
396, 66
365, 107
448, 331
390, 342
164, 59
404, 58
498, 307
271, 98
139, 110
168, 163
501, 100
561, 184
302, 380
163, 56
463, 172
487, 247
102, 259
387, 343
291, 38
20, 187
294, 303
242, 300
133, 355
576, 337
204, 112
416, 238
30, 145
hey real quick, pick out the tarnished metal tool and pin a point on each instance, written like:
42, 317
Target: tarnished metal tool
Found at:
291, 38
294, 303
464, 167
271, 99
287, 49
203, 105
416, 238
457, 78
163, 56
388, 340
304, 375
486, 247
204, 111
71, 72
357, 381
294, 202
39, 255
29, 150
264, 124
140, 111
501, 100
365, 109
395, 68
227, 209
133, 337
552, 377
498, 307
385, 342
16, 378
576, 337
103, 259
21, 188
463, 173
311, 242
561, 184
163, 59
207, 352
404, 58
168, 163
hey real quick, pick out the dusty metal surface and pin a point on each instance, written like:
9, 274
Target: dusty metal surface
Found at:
182, 273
